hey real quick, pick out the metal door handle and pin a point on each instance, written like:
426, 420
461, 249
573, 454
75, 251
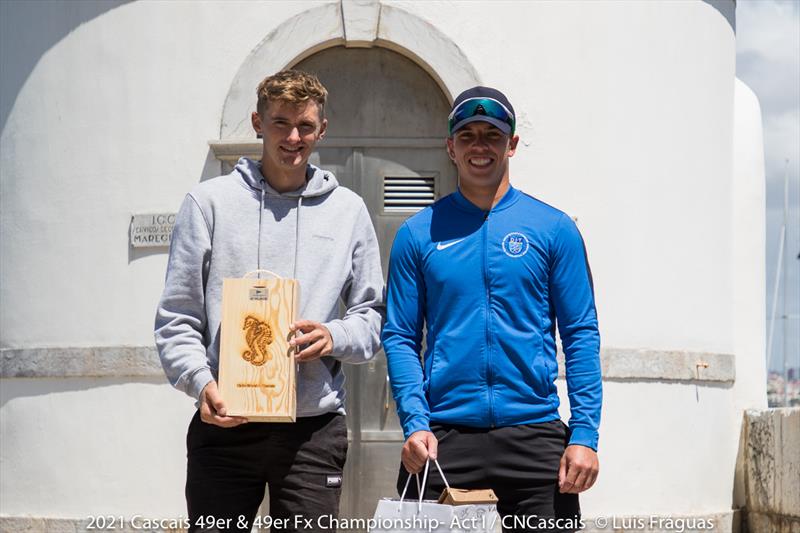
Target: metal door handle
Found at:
386, 395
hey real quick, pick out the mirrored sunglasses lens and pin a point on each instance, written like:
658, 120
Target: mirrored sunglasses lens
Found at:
490, 108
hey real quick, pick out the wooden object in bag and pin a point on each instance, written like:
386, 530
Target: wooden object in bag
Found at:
452, 496
257, 377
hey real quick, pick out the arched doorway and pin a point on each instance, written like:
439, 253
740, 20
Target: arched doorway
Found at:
386, 131
386, 138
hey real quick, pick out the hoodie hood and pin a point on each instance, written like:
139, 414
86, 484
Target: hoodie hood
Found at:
318, 181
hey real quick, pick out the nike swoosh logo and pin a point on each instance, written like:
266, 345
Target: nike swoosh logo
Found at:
441, 246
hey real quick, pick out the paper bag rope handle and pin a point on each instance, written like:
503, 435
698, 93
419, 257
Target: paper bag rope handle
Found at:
262, 270
420, 490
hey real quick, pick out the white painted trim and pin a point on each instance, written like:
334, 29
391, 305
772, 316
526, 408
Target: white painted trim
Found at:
323, 27
360, 20
142, 361
379, 435
431, 49
230, 150
300, 36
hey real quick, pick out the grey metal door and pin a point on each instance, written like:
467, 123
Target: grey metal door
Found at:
387, 121
385, 141
394, 182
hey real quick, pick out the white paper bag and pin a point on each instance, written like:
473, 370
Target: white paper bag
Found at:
397, 516
424, 516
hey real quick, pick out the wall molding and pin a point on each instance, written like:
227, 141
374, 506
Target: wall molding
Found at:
230, 150
74, 362
618, 364
359, 24
627, 364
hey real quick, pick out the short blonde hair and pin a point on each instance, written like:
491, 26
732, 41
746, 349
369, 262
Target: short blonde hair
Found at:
293, 87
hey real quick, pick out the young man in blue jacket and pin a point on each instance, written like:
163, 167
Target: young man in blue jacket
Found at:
491, 272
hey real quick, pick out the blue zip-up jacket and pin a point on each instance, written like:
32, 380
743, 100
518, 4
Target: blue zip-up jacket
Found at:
490, 288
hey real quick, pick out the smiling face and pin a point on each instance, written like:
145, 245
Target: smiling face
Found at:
480, 152
290, 132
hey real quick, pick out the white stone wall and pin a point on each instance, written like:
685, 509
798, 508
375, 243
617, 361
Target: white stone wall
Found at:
630, 120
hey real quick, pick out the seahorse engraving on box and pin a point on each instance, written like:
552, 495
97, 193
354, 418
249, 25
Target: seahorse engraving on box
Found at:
259, 337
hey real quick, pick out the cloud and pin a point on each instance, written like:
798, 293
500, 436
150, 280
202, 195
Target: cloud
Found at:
768, 61
768, 53
782, 142
774, 79
769, 28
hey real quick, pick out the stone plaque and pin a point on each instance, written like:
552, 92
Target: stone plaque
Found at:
149, 231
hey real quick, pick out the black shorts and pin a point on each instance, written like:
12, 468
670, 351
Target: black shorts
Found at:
519, 463
228, 469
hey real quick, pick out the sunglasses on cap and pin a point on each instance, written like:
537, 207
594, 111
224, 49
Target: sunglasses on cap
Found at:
488, 107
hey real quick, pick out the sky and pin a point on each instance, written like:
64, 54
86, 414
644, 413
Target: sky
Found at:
768, 61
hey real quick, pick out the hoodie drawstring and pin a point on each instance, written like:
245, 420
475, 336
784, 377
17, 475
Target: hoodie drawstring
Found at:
297, 236
260, 214
296, 232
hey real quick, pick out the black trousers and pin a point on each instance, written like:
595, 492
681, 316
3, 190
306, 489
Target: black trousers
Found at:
228, 468
519, 463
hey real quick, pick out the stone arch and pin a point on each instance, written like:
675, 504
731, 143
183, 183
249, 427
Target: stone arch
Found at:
353, 24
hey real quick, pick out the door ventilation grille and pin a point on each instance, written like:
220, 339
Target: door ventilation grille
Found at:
408, 193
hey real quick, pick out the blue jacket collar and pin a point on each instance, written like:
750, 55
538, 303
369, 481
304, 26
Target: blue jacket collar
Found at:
508, 199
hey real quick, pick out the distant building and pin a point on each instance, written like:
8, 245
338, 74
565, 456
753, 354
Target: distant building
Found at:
775, 389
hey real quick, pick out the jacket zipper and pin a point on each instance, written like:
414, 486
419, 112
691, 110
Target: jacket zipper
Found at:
489, 374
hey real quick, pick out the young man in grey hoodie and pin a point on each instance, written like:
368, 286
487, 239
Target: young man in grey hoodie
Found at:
292, 218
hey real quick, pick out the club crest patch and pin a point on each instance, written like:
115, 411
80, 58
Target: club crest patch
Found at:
515, 244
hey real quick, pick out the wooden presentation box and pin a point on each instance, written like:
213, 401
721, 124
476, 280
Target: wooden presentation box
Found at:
451, 496
256, 364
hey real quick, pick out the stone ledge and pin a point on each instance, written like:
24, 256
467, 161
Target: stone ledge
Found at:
621, 364
94, 361
142, 361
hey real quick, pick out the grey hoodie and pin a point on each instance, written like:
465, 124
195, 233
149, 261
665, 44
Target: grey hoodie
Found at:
320, 234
